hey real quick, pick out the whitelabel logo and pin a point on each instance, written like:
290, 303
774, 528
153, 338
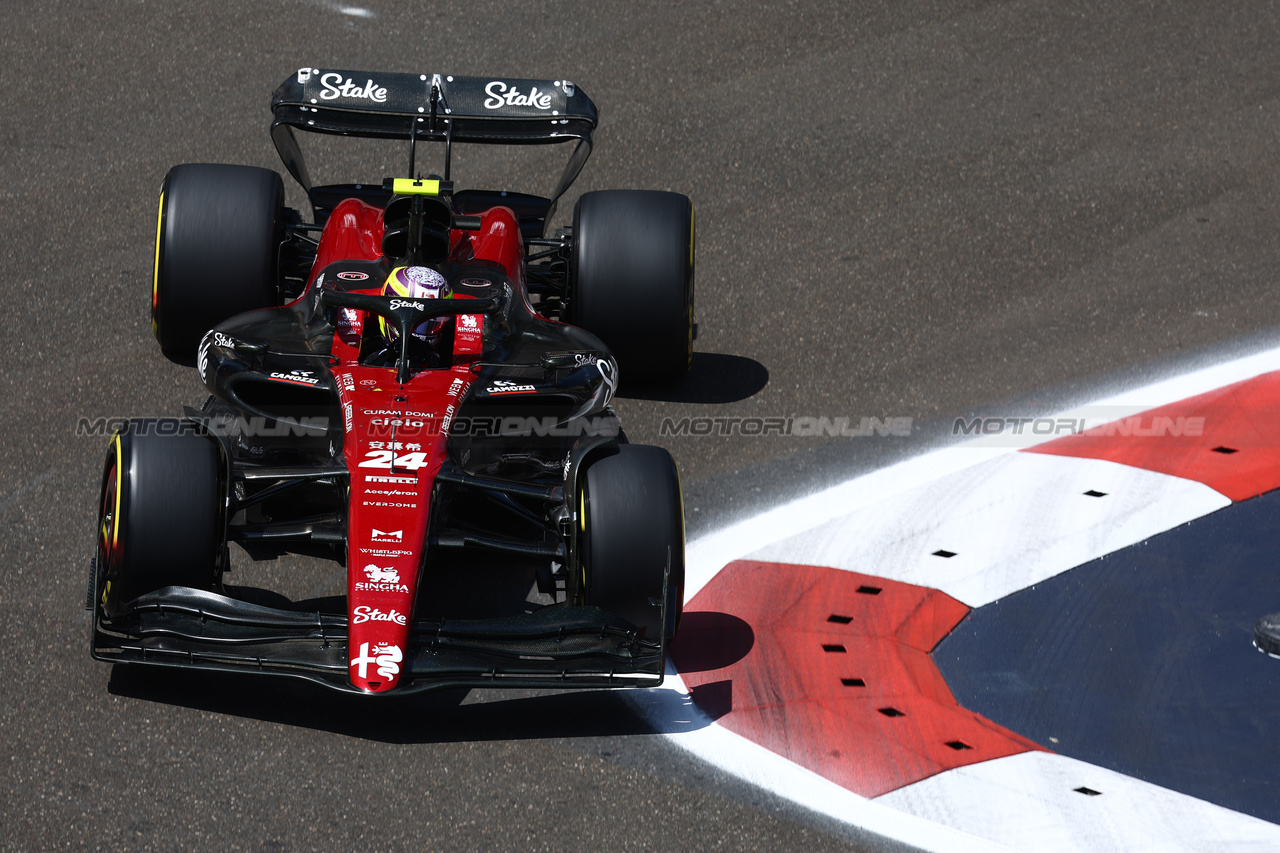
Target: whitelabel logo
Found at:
334, 87
503, 386
364, 613
296, 377
610, 378
379, 575
386, 656
501, 95
381, 580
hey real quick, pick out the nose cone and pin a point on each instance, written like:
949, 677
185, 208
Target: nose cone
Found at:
376, 666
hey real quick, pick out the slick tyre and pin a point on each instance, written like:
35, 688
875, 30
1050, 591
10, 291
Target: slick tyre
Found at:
631, 520
160, 517
631, 279
217, 236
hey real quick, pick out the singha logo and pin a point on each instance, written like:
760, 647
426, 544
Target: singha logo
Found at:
377, 575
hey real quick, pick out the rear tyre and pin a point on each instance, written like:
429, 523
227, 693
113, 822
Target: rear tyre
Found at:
217, 237
160, 516
632, 279
631, 523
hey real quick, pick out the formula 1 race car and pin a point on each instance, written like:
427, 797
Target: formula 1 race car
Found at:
421, 394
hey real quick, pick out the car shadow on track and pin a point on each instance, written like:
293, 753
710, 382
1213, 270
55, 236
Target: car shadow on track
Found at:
442, 716
712, 378
708, 641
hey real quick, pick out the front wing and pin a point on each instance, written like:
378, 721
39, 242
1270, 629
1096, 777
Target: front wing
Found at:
558, 646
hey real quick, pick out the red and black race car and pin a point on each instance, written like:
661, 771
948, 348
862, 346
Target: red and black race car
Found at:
415, 384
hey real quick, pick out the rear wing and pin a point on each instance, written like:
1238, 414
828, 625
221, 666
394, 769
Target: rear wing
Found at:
434, 107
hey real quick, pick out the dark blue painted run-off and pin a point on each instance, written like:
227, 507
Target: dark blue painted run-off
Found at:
1142, 661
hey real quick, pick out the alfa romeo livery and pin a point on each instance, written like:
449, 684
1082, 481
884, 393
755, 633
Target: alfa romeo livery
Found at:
493, 523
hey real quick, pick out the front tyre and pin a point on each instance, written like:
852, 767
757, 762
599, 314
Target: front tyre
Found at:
160, 517
631, 275
631, 526
218, 234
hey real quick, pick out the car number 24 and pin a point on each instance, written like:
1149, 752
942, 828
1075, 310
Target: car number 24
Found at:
388, 459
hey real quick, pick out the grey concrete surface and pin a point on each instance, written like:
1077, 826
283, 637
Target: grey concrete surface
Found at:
905, 209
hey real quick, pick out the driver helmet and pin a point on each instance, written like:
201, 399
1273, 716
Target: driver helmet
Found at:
416, 283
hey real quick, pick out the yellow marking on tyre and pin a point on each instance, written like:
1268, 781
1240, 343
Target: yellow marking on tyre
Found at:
155, 270
115, 532
115, 517
582, 563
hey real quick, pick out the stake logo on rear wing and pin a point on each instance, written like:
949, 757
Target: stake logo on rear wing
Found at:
433, 107
310, 99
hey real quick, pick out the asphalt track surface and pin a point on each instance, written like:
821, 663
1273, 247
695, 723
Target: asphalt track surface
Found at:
905, 209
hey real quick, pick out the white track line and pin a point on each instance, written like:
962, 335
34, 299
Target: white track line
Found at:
1030, 802
707, 554
1162, 818
669, 706
1011, 522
